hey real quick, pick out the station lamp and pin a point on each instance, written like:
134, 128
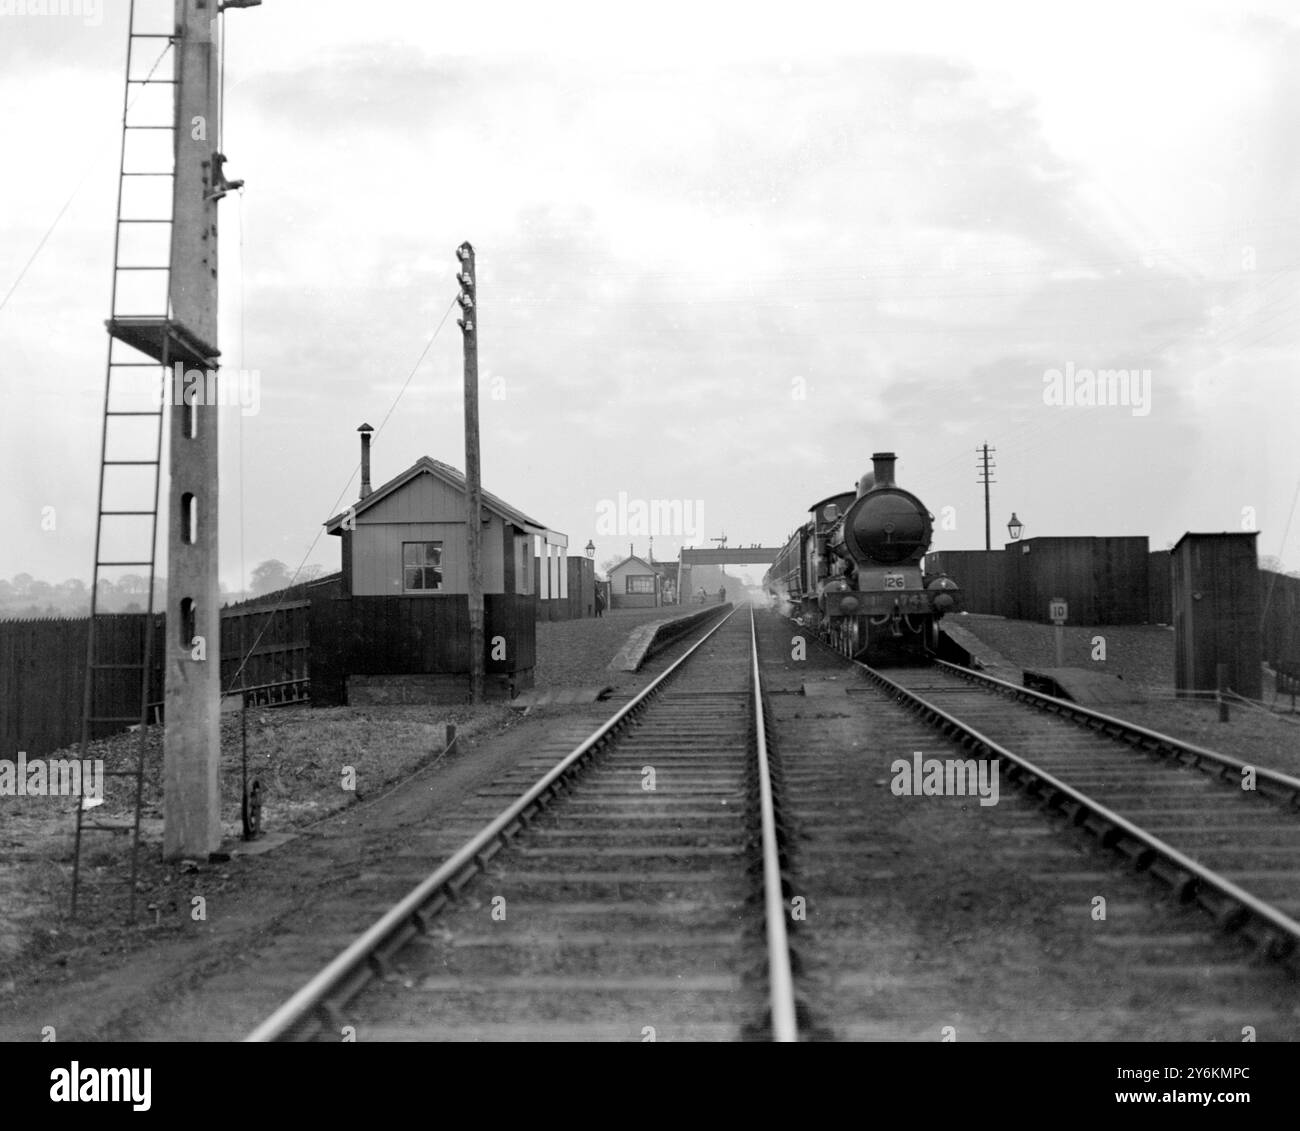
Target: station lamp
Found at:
1014, 527
591, 550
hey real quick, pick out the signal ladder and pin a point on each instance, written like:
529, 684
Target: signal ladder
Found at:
121, 683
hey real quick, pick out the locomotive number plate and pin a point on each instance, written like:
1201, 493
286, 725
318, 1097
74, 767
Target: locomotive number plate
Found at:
894, 581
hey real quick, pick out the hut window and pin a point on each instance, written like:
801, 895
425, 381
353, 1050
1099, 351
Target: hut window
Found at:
421, 566
641, 583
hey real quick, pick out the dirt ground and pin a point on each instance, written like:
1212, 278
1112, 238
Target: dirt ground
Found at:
97, 978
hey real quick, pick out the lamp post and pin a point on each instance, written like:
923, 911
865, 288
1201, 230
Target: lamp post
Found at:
1015, 527
591, 550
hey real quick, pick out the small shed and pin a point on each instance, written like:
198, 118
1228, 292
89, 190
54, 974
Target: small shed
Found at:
1216, 599
398, 629
635, 583
408, 538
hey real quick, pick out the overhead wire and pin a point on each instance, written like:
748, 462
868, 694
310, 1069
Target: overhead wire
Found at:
1286, 530
341, 495
90, 166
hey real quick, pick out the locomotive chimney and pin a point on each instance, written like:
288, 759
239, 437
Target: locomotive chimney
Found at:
883, 463
365, 431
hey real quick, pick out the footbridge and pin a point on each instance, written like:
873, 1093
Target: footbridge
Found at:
720, 556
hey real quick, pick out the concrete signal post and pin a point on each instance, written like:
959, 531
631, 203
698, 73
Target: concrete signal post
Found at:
191, 735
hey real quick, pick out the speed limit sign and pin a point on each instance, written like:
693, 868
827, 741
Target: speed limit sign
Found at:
1057, 610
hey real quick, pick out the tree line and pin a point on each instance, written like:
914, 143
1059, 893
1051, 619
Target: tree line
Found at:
24, 596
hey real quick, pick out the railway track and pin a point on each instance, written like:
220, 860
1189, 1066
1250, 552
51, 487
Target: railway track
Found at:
939, 917
1174, 808
596, 907
631, 892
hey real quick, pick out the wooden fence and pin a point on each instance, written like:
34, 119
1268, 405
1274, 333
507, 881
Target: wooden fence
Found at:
1280, 601
1103, 585
1104, 580
43, 670
43, 679
981, 574
277, 644
378, 636
1160, 595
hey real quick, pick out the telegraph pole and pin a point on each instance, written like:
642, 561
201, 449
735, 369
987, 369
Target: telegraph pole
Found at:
985, 470
473, 485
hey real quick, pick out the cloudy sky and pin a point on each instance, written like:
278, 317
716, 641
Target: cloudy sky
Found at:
725, 252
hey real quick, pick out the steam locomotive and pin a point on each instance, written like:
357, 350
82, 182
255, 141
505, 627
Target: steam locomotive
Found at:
854, 571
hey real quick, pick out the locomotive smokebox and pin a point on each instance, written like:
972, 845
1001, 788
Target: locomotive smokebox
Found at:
881, 475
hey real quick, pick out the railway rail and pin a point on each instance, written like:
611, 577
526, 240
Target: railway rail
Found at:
1173, 808
941, 916
633, 891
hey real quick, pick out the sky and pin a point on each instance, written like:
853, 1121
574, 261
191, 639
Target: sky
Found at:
725, 252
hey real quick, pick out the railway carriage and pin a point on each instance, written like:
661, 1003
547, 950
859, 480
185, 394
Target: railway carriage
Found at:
855, 570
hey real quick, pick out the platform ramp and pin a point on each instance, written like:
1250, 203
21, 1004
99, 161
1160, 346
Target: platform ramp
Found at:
1080, 685
959, 645
562, 696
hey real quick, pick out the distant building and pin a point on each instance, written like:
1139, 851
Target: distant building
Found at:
635, 583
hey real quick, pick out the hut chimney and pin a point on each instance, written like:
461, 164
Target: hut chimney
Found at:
365, 431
